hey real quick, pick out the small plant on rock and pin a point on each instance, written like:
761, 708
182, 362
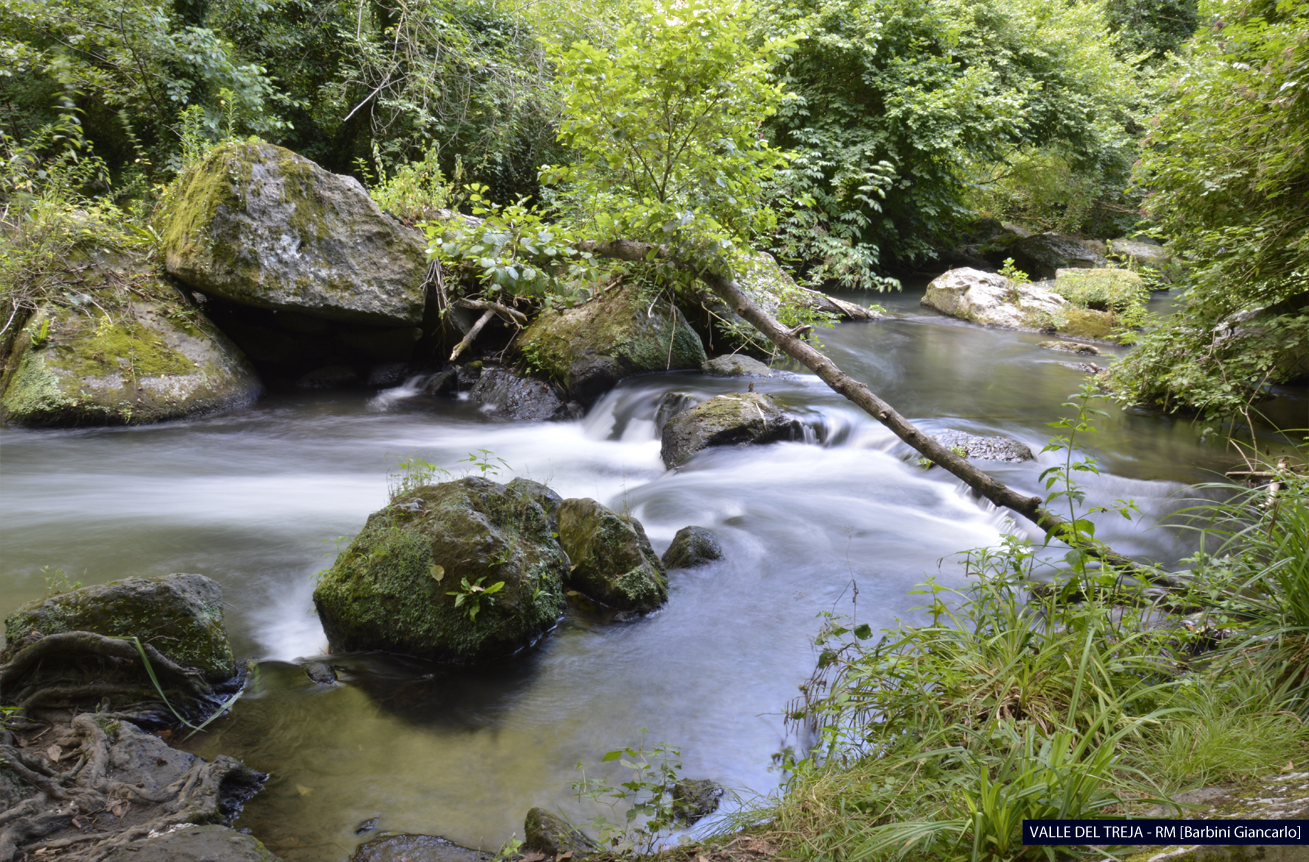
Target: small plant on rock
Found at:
474, 595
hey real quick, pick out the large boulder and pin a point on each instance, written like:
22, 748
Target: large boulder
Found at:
179, 615
508, 396
993, 300
727, 420
1041, 254
421, 578
590, 347
259, 225
612, 560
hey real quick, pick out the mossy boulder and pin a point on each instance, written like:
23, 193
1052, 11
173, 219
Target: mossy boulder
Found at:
180, 615
1100, 289
991, 299
746, 418
259, 225
147, 361
692, 546
622, 332
510, 397
612, 560
418, 579
547, 834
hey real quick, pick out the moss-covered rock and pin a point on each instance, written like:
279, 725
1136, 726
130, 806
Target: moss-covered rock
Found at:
210, 843
259, 225
746, 418
398, 586
1100, 289
552, 836
147, 361
620, 333
1085, 323
612, 560
692, 546
180, 615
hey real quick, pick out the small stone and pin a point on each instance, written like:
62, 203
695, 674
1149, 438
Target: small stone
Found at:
367, 826
320, 672
551, 835
695, 799
985, 448
692, 546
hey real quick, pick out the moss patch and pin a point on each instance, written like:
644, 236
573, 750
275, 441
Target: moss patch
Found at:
1085, 323
612, 559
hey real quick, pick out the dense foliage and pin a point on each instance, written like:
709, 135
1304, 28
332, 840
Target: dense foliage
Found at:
1225, 164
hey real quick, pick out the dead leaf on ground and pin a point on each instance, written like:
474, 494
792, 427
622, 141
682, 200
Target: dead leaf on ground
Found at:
54, 752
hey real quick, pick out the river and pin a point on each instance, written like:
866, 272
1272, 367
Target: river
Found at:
257, 499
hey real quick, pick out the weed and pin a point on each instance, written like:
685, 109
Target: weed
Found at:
474, 595
412, 473
485, 462
644, 806
1013, 273
57, 582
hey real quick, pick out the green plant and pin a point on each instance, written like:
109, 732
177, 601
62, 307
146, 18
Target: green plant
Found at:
484, 461
413, 191
412, 473
644, 806
472, 594
57, 582
1013, 273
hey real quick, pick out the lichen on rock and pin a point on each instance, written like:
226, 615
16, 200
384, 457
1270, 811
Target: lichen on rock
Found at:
259, 225
612, 560
397, 586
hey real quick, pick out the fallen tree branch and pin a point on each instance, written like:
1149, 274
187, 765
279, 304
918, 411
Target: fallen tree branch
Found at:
505, 311
472, 333
726, 289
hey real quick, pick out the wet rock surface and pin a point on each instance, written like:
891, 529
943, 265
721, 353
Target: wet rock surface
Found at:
612, 560
508, 396
551, 835
692, 546
1071, 347
747, 418
736, 366
696, 799
986, 448
403, 847
195, 844
398, 586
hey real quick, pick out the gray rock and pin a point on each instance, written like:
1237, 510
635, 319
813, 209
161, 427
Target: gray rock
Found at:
612, 560
416, 579
695, 799
986, 448
151, 362
1145, 255
1071, 347
551, 835
180, 615
747, 418
510, 397
262, 226
1040, 255
592, 346
1086, 367
736, 365
401, 847
320, 672
189, 843
670, 405
692, 546
993, 300
544, 496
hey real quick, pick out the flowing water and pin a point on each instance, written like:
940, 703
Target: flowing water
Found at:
257, 499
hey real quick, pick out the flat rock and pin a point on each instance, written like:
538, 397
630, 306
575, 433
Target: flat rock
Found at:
736, 365
986, 448
1072, 347
195, 844
404, 847
259, 225
993, 300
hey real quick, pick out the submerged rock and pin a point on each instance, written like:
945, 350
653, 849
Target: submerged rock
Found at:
421, 577
727, 420
179, 615
402, 847
592, 346
1071, 347
692, 546
985, 448
612, 560
551, 835
320, 672
150, 361
505, 395
259, 225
